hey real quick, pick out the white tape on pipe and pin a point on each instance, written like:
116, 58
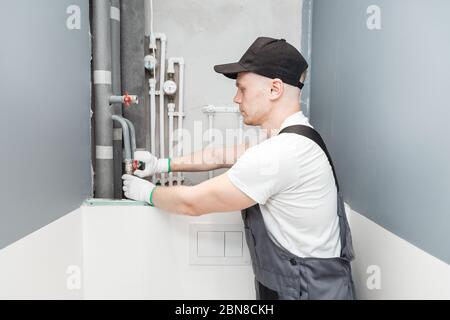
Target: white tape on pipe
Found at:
102, 77
115, 13
104, 152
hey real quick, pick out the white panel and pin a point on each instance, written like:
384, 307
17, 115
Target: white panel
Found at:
136, 252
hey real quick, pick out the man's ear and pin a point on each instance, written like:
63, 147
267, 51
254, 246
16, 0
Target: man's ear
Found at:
276, 89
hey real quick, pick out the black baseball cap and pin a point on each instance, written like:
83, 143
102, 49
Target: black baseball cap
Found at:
271, 58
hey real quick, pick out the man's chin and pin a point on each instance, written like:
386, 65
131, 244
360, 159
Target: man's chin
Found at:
247, 121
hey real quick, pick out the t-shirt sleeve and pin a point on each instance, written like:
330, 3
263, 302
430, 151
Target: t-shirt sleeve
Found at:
263, 170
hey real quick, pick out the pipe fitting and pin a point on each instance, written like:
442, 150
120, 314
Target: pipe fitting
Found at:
171, 108
208, 109
160, 36
171, 64
223, 109
152, 42
128, 166
150, 63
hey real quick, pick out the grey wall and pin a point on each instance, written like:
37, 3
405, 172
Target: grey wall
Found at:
217, 32
380, 98
45, 130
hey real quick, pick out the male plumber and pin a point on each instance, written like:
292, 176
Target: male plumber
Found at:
295, 222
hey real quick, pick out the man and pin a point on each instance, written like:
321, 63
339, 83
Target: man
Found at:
295, 223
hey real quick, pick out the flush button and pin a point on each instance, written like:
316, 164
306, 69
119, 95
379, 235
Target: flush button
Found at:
218, 245
234, 241
210, 243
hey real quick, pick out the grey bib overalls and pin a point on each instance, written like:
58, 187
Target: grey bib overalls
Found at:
293, 277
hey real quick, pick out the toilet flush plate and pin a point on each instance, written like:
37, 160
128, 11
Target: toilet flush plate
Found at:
218, 244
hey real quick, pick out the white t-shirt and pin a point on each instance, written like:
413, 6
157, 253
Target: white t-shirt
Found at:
290, 177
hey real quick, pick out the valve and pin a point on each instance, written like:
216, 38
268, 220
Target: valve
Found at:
150, 63
138, 165
126, 99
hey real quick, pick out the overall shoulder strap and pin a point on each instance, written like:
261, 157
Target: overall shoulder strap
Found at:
312, 134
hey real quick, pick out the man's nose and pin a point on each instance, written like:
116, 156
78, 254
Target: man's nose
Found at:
237, 99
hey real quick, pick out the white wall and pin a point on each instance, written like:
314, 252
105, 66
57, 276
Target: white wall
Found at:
152, 261
134, 252
35, 267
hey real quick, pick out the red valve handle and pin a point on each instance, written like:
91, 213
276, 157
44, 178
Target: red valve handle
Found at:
135, 164
127, 100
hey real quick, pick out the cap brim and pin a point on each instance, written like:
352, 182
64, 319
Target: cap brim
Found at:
230, 70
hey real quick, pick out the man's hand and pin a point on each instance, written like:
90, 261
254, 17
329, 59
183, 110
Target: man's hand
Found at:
136, 188
153, 165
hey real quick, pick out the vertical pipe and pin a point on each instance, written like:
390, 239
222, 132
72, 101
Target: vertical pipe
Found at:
211, 124
104, 166
171, 110
126, 140
162, 71
117, 91
132, 137
241, 129
148, 8
152, 85
171, 70
180, 114
306, 47
126, 135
